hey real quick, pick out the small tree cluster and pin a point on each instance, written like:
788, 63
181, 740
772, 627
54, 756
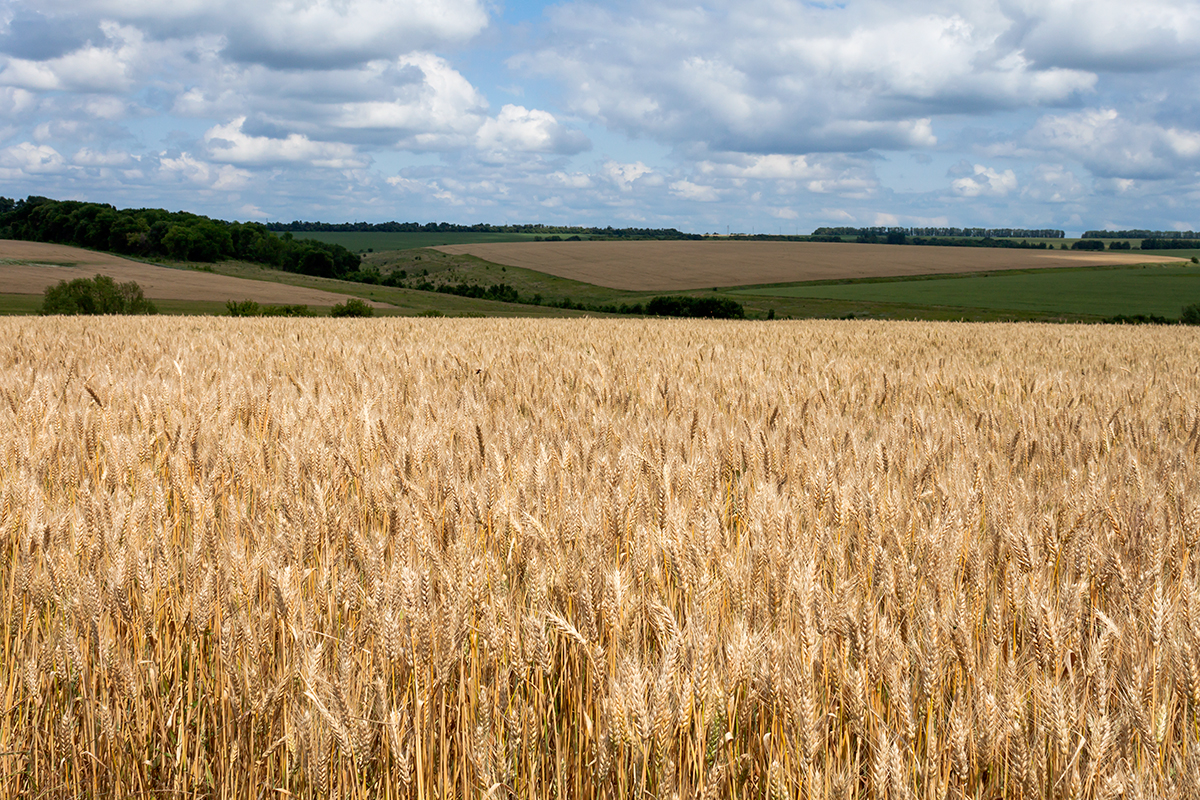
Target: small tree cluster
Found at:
98, 295
352, 308
249, 308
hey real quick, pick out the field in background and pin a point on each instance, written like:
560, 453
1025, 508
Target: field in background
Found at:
29, 267
1106, 291
551, 559
1059, 294
361, 242
668, 266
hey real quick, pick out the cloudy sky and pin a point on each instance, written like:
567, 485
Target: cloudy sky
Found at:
756, 115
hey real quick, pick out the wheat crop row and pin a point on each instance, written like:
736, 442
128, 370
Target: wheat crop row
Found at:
556, 559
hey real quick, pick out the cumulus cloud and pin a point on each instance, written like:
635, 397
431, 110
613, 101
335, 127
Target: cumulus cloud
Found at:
985, 182
88, 157
290, 34
818, 173
708, 114
229, 144
694, 191
1111, 146
519, 129
27, 158
90, 68
188, 168
1106, 34
1053, 183
766, 77
623, 176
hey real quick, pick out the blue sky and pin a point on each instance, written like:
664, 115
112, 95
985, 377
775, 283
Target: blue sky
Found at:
757, 115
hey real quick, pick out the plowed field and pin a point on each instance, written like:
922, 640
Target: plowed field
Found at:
656, 266
29, 267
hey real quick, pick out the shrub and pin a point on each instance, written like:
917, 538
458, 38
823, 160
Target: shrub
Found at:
246, 308
1088, 244
352, 308
1190, 315
249, 308
713, 307
98, 295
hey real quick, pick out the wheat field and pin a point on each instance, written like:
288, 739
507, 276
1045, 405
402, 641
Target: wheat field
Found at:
573, 559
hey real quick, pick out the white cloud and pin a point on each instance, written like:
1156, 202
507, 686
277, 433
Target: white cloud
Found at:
985, 182
1112, 146
92, 158
624, 175
1053, 183
759, 76
293, 34
441, 110
1107, 34
228, 144
519, 129
188, 168
693, 191
27, 158
89, 69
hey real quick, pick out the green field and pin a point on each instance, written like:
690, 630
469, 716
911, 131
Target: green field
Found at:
362, 242
1099, 292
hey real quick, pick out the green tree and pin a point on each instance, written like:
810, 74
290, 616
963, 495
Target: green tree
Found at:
352, 308
99, 295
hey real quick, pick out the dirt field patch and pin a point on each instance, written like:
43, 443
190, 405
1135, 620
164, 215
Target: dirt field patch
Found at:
29, 267
658, 266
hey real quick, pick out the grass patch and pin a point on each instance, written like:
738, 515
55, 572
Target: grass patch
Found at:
20, 303
1099, 292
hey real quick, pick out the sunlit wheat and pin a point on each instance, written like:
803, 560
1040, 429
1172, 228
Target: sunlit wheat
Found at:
618, 559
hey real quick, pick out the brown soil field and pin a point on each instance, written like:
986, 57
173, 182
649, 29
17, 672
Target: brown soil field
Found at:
656, 266
29, 267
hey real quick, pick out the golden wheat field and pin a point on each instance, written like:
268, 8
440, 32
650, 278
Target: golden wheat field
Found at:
619, 559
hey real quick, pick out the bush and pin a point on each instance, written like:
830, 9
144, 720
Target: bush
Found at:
98, 295
1190, 315
712, 307
249, 308
352, 308
246, 308
1088, 244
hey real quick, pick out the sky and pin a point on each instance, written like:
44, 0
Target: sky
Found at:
755, 116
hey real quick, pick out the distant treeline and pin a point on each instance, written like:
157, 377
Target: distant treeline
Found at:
447, 227
664, 306
157, 233
1139, 234
1170, 244
899, 237
943, 233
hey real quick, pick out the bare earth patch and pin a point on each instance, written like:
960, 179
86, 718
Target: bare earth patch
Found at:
655, 266
29, 267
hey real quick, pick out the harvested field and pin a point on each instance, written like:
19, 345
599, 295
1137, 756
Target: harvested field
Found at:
666, 266
574, 559
29, 267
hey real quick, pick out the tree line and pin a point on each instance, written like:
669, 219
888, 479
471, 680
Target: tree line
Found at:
157, 233
1170, 244
609, 232
1140, 234
953, 233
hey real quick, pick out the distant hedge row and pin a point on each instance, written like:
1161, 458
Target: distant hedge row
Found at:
156, 233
